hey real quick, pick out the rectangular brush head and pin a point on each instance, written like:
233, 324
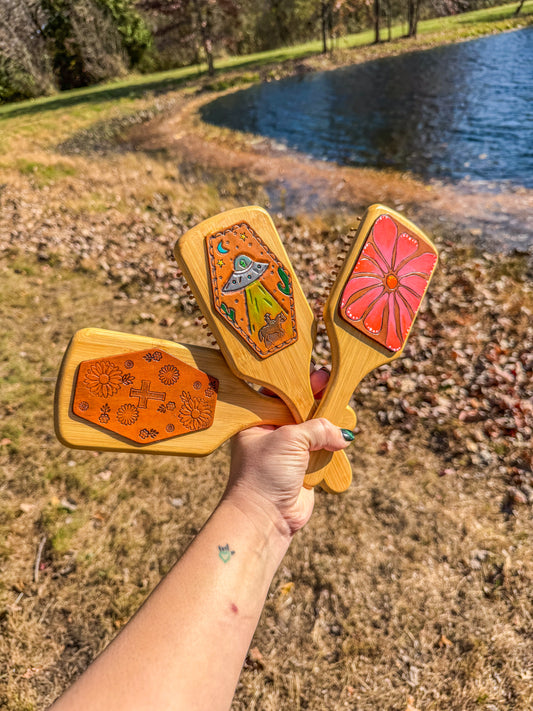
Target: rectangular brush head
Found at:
127, 393
385, 278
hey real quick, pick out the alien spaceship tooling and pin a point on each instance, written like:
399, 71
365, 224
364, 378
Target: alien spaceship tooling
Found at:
252, 290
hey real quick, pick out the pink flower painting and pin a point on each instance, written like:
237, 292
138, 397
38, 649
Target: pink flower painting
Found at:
387, 284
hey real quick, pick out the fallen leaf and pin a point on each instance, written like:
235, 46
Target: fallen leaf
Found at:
31, 671
256, 658
286, 589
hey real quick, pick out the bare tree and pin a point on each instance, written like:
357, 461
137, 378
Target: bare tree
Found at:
413, 14
377, 18
325, 22
194, 23
99, 42
25, 68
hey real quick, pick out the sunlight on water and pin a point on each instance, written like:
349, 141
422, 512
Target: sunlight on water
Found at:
456, 112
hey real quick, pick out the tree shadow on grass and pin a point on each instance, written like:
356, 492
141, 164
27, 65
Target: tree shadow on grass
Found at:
93, 95
137, 88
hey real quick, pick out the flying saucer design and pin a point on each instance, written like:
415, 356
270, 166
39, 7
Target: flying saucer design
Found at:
252, 290
245, 272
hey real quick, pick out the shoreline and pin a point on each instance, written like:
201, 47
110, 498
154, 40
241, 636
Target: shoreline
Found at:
414, 584
453, 29
486, 218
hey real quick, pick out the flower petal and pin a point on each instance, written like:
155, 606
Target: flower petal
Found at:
370, 252
356, 284
405, 246
424, 263
414, 282
411, 299
392, 341
369, 266
406, 316
356, 309
385, 232
374, 321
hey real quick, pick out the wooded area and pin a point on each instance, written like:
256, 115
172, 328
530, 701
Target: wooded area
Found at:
50, 45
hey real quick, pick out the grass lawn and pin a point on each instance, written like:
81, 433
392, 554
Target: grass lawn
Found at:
410, 591
447, 29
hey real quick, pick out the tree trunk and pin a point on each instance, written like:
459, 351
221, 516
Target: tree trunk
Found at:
204, 24
377, 11
517, 11
324, 14
413, 8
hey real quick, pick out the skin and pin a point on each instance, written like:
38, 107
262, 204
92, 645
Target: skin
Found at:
185, 647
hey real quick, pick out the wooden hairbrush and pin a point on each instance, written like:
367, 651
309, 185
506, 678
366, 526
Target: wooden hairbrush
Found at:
240, 274
127, 393
369, 314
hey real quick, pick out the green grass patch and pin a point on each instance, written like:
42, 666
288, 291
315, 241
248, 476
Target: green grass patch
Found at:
61, 525
21, 265
44, 174
93, 99
232, 81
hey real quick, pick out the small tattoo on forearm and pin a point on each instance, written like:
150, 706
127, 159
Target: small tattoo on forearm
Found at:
224, 553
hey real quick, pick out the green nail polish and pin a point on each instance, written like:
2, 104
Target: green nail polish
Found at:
348, 435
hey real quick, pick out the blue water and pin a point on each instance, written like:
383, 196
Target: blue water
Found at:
462, 111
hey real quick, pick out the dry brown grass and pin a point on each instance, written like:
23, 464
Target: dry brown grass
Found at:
410, 591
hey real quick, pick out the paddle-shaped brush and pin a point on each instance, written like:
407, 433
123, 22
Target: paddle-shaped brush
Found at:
369, 314
126, 393
239, 272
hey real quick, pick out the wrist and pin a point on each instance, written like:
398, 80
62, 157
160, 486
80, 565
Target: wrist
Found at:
262, 515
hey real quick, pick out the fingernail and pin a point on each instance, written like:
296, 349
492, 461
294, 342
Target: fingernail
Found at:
348, 435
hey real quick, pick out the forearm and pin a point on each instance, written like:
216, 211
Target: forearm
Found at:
185, 647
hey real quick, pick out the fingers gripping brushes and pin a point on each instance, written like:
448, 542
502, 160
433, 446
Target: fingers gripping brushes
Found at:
238, 270
129, 393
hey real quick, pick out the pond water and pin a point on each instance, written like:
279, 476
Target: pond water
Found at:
462, 111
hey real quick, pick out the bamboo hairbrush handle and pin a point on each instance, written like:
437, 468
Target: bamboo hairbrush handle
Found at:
126, 393
369, 314
241, 276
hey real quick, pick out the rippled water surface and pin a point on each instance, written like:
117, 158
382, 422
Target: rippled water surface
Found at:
454, 112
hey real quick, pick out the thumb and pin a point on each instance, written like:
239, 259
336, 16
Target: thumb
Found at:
320, 434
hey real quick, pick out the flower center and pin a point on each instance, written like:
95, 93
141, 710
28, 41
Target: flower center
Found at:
103, 379
392, 281
195, 413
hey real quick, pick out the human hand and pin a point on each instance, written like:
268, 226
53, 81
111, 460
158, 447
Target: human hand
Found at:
268, 466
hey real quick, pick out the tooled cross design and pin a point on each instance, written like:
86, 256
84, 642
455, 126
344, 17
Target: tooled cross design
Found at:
144, 394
